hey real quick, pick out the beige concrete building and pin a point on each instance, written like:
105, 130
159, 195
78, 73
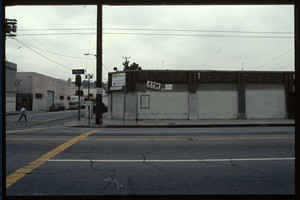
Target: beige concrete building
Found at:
39, 92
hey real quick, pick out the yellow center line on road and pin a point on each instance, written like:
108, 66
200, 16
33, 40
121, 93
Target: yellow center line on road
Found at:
20, 173
152, 139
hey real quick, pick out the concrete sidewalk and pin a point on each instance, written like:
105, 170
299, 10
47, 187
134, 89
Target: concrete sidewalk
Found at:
113, 123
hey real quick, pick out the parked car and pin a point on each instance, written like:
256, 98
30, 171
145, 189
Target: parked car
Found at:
57, 107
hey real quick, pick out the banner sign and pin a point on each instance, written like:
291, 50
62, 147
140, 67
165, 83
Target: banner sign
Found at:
118, 79
168, 86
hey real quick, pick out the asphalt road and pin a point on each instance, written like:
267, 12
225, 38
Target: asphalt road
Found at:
183, 161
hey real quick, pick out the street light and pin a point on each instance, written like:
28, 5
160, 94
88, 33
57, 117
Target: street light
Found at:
89, 54
98, 85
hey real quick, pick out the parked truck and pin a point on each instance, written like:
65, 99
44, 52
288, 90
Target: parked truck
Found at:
73, 104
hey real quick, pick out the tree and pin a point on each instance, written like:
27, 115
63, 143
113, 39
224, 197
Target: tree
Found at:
133, 66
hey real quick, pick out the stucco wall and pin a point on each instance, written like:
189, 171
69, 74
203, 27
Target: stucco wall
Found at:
203, 95
35, 83
265, 101
217, 101
10, 101
117, 104
25, 86
164, 105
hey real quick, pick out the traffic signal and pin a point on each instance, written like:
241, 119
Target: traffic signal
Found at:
80, 93
78, 80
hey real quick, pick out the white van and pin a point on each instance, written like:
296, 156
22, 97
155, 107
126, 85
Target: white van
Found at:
73, 104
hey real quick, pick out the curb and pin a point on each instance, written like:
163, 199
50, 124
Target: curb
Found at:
177, 125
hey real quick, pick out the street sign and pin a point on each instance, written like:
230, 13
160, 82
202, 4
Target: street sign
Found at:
77, 71
99, 91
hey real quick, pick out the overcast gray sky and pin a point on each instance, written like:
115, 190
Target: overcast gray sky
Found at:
52, 40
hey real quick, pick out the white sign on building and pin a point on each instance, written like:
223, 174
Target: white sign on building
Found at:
118, 79
169, 87
153, 85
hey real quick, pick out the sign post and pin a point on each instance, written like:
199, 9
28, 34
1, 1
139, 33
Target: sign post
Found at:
78, 83
78, 73
118, 81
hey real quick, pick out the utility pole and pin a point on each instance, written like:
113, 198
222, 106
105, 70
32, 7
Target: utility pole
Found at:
11, 26
10, 29
126, 58
99, 65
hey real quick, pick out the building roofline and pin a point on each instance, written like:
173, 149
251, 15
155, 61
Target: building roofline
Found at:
232, 71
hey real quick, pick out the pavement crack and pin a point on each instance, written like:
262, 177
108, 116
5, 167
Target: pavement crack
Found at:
144, 157
160, 169
246, 168
112, 179
92, 164
153, 166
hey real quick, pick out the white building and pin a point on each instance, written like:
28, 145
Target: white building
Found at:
39, 92
198, 95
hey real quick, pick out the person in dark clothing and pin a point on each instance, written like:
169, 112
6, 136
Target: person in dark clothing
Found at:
23, 114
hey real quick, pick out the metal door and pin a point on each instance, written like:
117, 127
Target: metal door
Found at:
50, 98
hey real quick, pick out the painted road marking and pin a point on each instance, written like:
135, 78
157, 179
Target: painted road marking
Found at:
178, 160
17, 175
170, 139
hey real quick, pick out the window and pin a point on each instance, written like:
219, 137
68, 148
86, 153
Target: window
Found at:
68, 98
61, 97
145, 101
38, 95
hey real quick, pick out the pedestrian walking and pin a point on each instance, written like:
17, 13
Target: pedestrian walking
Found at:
23, 114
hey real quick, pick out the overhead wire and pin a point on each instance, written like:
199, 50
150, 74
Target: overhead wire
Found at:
121, 40
61, 21
53, 52
163, 34
165, 30
43, 55
273, 59
94, 20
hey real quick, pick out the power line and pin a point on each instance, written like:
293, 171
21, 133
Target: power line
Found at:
105, 67
94, 20
40, 34
164, 30
274, 59
52, 52
162, 34
195, 30
56, 23
192, 35
42, 55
